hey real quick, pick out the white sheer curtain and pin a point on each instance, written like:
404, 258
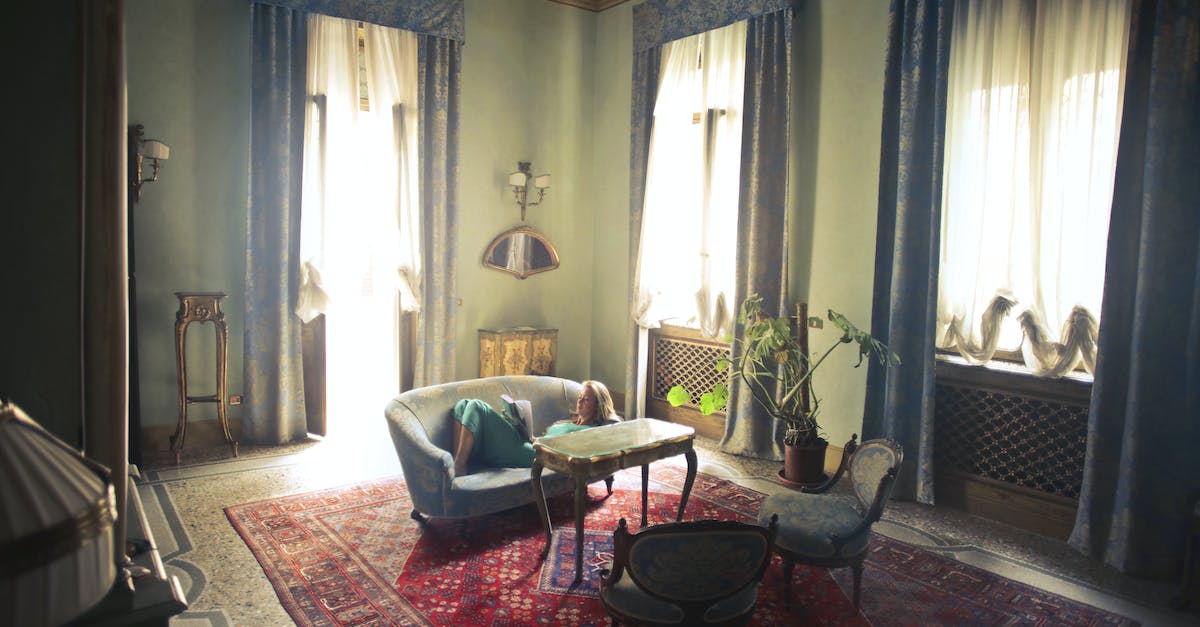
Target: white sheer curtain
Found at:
685, 268
1033, 116
359, 216
392, 80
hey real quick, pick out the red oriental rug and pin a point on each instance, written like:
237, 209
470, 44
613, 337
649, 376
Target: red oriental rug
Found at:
353, 556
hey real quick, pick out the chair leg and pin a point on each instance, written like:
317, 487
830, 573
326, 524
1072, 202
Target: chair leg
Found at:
608, 483
857, 567
417, 516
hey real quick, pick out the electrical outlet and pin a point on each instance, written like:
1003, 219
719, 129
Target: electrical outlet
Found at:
815, 322
235, 399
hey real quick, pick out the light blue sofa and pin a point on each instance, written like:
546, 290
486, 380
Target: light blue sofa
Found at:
421, 425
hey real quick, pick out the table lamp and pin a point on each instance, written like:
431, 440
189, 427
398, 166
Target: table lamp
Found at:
56, 525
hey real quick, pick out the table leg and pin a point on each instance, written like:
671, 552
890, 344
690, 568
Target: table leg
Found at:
690, 455
222, 331
645, 490
181, 325
539, 497
580, 493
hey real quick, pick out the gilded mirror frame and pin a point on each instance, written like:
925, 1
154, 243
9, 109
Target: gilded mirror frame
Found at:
536, 260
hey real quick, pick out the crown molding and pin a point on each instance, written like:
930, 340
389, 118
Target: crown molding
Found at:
591, 5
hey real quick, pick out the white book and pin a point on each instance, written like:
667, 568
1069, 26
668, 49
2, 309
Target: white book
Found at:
520, 408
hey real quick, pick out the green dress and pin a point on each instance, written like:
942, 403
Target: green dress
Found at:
499, 442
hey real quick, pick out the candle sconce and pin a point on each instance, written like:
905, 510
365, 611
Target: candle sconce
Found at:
519, 181
141, 149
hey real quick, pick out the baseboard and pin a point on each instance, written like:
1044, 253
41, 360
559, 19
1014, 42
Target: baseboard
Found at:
200, 433
1035, 511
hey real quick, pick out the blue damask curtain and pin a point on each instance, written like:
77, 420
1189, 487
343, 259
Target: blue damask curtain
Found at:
272, 370
439, 18
899, 401
647, 67
1142, 471
439, 62
762, 242
762, 212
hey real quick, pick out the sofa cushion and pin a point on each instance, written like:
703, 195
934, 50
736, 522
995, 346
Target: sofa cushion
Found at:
497, 489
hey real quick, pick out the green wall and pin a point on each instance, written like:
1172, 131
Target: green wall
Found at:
188, 72
839, 54
610, 91
542, 82
527, 65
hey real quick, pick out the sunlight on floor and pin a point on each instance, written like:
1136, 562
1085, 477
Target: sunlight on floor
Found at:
351, 455
361, 377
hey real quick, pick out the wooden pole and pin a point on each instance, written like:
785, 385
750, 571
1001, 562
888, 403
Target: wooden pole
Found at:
802, 339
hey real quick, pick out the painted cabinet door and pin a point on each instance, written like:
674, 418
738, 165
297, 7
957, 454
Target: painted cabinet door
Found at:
516, 351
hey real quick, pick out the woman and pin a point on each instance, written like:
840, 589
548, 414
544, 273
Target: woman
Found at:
485, 437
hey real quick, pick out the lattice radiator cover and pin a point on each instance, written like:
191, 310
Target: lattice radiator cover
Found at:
675, 360
1028, 442
1021, 440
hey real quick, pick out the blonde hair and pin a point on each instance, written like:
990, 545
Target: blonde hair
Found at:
605, 410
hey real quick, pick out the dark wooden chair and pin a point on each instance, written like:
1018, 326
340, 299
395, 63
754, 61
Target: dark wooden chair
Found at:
702, 572
824, 531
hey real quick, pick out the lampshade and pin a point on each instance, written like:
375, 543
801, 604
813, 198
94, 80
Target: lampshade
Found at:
154, 149
517, 179
56, 525
542, 182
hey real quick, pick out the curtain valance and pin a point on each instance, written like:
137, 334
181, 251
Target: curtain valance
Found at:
440, 18
656, 22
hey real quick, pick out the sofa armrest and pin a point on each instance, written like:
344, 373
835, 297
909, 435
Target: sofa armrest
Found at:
428, 469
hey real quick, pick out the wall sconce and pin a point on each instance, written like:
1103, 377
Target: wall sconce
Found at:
520, 184
142, 149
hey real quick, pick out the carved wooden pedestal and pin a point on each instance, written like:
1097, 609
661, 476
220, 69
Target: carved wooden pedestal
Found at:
200, 307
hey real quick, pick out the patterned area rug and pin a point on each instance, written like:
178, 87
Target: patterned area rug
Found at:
353, 556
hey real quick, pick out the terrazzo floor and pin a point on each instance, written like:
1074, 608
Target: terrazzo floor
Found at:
225, 585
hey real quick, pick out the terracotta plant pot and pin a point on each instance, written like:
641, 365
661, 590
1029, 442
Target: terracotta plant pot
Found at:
804, 465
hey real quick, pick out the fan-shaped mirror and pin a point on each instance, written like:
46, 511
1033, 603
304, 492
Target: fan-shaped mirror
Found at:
521, 252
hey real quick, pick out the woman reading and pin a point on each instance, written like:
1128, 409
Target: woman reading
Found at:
485, 437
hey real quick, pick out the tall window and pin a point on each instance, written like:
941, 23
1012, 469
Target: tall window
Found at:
1033, 117
685, 268
359, 215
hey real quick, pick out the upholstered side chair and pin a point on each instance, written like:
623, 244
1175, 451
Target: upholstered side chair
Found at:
703, 572
828, 531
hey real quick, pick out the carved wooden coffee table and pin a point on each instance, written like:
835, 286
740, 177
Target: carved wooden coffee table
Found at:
598, 452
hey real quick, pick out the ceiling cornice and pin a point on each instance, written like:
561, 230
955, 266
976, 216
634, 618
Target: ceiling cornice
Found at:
591, 5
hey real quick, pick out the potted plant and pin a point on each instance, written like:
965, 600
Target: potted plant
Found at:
775, 366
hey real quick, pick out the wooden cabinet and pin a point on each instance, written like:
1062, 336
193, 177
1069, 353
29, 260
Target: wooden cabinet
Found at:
518, 350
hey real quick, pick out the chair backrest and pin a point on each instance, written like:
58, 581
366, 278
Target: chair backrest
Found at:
873, 471
693, 564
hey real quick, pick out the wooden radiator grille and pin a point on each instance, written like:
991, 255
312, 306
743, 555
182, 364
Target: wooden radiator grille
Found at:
1032, 443
676, 360
678, 355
